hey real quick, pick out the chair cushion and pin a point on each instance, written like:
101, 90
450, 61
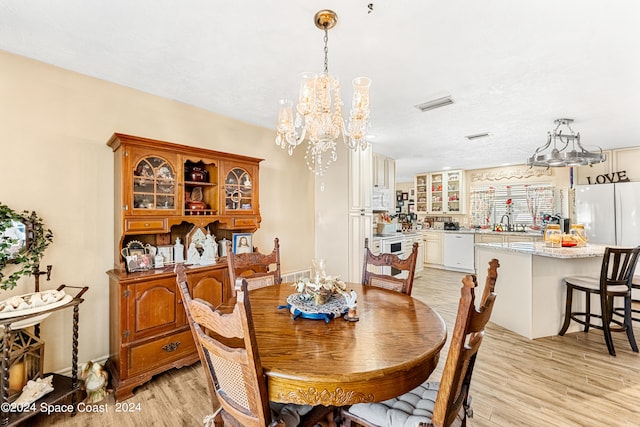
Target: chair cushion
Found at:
593, 283
584, 281
289, 413
408, 410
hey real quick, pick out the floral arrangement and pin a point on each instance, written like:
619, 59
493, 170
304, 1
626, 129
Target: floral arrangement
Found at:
321, 290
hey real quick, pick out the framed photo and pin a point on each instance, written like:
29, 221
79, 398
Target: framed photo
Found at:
412, 208
166, 252
412, 192
242, 243
139, 262
405, 196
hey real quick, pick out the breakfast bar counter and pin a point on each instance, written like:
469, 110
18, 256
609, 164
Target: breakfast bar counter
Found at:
532, 294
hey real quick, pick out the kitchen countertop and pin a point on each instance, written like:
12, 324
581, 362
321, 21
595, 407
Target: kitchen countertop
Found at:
540, 248
415, 233
484, 231
410, 234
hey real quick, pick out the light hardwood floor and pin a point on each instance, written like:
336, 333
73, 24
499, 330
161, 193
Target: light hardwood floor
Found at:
554, 381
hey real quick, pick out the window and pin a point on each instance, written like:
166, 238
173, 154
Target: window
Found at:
529, 202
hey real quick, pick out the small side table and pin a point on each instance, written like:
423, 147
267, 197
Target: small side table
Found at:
64, 386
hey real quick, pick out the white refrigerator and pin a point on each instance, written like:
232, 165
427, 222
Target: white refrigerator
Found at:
610, 213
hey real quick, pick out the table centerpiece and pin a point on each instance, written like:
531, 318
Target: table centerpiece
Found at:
324, 298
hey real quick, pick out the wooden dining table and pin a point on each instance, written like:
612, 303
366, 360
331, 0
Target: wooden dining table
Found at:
391, 349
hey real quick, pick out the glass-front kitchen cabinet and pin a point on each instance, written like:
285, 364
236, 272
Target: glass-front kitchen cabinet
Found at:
440, 192
168, 196
422, 195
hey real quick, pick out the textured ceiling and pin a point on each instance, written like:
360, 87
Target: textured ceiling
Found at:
511, 67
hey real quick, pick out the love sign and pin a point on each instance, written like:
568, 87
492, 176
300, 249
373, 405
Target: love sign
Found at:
609, 178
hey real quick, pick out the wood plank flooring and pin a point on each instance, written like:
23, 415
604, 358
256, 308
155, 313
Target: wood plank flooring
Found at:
554, 381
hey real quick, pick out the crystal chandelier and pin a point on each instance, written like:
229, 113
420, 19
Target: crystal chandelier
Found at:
564, 149
319, 120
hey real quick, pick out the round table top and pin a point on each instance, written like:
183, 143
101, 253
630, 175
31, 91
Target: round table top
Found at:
392, 349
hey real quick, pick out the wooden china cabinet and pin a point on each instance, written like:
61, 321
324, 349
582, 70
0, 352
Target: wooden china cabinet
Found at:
164, 192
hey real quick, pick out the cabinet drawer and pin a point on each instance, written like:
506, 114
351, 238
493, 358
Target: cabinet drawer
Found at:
156, 353
158, 225
245, 222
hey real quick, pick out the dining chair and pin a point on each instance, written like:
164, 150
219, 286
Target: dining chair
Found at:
259, 269
614, 282
400, 271
445, 403
228, 351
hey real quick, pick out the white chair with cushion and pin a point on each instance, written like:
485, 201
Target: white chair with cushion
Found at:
445, 403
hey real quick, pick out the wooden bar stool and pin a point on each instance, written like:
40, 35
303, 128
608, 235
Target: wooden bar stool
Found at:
616, 274
635, 312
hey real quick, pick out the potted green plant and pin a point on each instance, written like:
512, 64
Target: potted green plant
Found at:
23, 240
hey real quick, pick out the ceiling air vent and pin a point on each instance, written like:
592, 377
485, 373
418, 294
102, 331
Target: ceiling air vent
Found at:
435, 103
477, 136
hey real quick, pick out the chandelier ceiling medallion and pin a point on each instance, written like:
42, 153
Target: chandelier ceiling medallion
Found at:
564, 149
319, 120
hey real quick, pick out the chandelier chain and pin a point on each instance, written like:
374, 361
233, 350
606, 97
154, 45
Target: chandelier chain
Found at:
326, 50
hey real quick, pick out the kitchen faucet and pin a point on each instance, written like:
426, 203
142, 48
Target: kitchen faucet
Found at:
508, 221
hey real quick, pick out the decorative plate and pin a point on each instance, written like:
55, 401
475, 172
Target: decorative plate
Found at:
302, 307
6, 312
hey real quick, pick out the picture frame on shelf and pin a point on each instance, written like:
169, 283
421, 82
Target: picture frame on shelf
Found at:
166, 251
242, 243
139, 262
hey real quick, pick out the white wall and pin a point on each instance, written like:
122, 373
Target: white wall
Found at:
55, 125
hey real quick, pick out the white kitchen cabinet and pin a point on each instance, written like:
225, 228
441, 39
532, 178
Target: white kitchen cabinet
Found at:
521, 238
432, 249
506, 238
380, 171
420, 260
344, 210
447, 192
360, 212
422, 195
410, 239
489, 238
384, 182
440, 192
459, 252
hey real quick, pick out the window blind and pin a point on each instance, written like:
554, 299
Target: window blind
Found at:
528, 202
